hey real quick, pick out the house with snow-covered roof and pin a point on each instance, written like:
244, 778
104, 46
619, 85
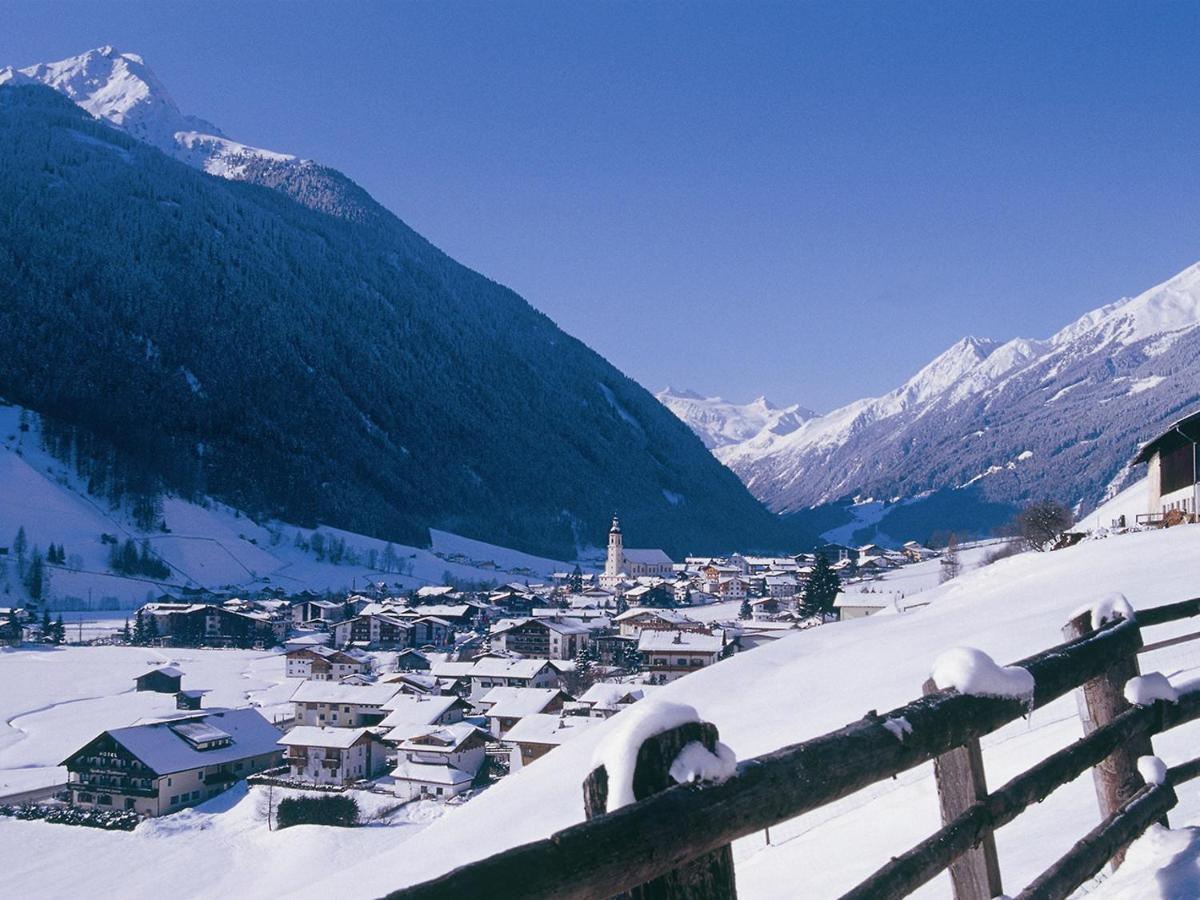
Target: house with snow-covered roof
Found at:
494, 671
633, 622
333, 756
668, 655
543, 637
1172, 472
604, 699
440, 762
161, 767
535, 736
324, 663
163, 680
408, 714
505, 706
341, 705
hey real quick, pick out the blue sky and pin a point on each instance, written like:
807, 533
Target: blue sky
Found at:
803, 200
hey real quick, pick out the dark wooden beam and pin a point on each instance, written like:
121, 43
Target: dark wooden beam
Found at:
767, 789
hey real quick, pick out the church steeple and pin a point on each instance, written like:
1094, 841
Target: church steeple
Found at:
616, 553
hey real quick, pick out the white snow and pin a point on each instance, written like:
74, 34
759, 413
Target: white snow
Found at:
973, 672
1163, 864
696, 762
1142, 690
1111, 608
618, 752
898, 726
1152, 769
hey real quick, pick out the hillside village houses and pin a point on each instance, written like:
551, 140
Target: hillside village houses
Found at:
430, 693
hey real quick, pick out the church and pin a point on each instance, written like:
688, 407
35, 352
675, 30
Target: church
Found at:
625, 565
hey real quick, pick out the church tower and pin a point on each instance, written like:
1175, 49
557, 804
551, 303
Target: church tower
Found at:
616, 552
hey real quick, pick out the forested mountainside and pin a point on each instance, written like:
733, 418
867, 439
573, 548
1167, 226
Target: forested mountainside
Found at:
324, 368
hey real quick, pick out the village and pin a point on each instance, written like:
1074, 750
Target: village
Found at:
437, 692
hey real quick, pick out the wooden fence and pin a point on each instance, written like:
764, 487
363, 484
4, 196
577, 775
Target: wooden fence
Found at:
674, 842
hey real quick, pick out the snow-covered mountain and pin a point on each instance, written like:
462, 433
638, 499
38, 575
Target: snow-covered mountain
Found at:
120, 89
720, 423
1019, 420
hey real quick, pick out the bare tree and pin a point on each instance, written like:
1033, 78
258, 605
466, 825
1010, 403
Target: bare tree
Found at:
1042, 524
951, 565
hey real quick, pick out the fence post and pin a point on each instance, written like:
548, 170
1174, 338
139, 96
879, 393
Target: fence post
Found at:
1100, 701
706, 877
960, 785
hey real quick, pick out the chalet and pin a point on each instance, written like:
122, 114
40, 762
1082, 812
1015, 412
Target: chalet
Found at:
834, 553
614, 649
915, 552
668, 655
324, 663
189, 700
1172, 473
735, 587
408, 714
603, 699
162, 767
335, 756
410, 660
857, 604
535, 736
633, 622
413, 682
494, 671
324, 612
505, 706
545, 638
163, 680
439, 762
781, 587
453, 677
342, 705
460, 616
651, 595
382, 631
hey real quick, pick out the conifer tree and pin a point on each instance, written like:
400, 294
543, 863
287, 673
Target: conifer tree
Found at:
20, 547
822, 588
59, 630
747, 611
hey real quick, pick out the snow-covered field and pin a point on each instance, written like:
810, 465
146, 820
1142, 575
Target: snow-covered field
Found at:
810, 682
213, 547
54, 700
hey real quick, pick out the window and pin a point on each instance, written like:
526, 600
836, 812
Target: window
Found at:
174, 800
439, 790
130, 803
168, 782
86, 798
237, 767
681, 661
104, 799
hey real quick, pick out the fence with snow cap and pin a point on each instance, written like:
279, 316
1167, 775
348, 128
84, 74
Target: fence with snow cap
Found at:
664, 800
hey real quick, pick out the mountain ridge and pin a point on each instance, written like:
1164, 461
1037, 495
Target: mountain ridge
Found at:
321, 368
998, 417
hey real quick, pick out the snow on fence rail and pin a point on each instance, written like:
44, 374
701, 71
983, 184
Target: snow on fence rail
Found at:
642, 845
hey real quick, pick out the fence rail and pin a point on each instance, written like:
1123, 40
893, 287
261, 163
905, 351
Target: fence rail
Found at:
666, 831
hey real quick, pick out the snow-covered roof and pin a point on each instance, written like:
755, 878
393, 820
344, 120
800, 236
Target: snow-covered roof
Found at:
169, 671
417, 709
450, 669
549, 728
647, 557
514, 703
870, 600
430, 773
561, 626
499, 667
322, 736
162, 748
439, 738
673, 641
669, 616
609, 695
336, 692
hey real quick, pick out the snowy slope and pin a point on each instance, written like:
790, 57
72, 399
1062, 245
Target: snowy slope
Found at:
211, 546
122, 90
1020, 420
764, 699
